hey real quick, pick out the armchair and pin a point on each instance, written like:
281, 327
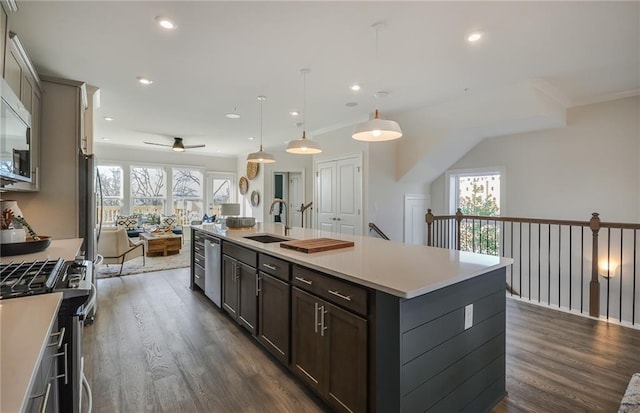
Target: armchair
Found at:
116, 247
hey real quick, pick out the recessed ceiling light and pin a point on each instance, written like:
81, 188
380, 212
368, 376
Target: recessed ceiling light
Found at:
108, 118
351, 104
105, 139
252, 138
144, 80
294, 113
474, 37
166, 23
355, 87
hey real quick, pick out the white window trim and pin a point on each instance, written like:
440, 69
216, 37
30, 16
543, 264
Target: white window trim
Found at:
209, 177
451, 179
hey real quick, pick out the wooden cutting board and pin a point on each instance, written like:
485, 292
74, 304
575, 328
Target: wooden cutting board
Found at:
316, 244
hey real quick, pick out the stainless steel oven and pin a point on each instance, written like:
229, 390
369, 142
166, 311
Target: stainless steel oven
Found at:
75, 280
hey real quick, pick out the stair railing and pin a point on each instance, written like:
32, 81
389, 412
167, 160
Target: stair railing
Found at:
567, 264
373, 227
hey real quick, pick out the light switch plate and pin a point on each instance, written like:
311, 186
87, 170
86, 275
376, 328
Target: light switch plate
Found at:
468, 316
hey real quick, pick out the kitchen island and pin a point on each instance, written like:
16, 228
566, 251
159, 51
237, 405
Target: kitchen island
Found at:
378, 327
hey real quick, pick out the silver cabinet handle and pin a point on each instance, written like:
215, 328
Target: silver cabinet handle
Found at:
258, 289
197, 276
65, 375
304, 281
60, 335
45, 401
315, 318
269, 266
337, 294
322, 327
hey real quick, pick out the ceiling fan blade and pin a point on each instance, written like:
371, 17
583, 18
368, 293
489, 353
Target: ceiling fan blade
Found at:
157, 144
193, 146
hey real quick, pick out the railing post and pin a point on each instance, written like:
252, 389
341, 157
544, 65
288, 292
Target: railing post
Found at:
429, 220
458, 227
594, 285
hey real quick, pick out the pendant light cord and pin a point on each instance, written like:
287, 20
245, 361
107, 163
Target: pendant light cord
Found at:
304, 102
261, 102
377, 91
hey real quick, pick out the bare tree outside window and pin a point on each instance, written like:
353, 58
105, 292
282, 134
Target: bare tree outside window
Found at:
187, 195
112, 193
148, 190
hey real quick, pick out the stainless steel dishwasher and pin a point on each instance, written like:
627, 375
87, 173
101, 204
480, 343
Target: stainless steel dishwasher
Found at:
213, 270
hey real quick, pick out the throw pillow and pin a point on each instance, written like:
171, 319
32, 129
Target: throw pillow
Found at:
169, 221
128, 221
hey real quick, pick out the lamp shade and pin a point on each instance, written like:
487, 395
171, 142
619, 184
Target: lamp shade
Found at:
229, 209
260, 157
303, 146
377, 130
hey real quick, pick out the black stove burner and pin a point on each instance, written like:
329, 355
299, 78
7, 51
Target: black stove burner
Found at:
29, 278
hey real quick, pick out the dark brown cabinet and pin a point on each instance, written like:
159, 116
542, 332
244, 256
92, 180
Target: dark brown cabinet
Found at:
239, 292
273, 315
330, 351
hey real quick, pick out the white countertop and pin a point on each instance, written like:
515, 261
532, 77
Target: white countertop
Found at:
66, 249
403, 270
25, 326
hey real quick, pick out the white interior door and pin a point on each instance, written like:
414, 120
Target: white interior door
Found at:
295, 198
348, 206
415, 229
326, 188
339, 195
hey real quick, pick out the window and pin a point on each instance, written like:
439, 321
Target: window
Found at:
111, 181
148, 191
187, 195
477, 193
221, 191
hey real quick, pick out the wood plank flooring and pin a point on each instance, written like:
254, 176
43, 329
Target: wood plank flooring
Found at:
156, 346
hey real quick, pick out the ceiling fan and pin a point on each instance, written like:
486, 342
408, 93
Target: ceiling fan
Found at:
177, 146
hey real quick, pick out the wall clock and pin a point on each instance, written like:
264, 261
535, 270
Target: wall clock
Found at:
243, 185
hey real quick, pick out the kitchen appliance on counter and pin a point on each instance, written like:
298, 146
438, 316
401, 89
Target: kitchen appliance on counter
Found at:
74, 279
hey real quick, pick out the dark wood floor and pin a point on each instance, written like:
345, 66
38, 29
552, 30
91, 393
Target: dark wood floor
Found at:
156, 346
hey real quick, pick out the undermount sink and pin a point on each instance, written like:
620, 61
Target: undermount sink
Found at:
266, 238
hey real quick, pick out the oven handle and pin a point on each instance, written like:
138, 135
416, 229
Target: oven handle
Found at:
89, 304
87, 389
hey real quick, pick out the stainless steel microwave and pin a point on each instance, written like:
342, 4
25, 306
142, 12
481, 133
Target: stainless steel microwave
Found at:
15, 137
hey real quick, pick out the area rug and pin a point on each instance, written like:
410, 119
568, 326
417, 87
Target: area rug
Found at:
160, 263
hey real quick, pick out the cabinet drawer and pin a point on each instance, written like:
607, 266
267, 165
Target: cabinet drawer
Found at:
198, 237
198, 248
241, 254
198, 260
339, 292
198, 276
274, 266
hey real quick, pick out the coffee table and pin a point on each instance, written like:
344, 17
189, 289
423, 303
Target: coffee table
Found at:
163, 244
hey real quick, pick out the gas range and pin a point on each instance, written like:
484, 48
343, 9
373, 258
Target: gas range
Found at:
72, 278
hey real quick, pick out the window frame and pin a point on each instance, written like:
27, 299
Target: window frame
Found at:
452, 181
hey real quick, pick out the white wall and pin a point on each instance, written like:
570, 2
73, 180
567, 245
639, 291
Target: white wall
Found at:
591, 165
257, 184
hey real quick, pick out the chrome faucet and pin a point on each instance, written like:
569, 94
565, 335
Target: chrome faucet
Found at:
286, 211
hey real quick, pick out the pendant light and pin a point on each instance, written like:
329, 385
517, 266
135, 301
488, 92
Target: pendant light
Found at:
376, 129
261, 156
304, 146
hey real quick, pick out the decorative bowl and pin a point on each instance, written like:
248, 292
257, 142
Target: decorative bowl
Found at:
28, 247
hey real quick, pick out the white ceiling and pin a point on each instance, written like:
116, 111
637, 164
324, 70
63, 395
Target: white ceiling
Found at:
224, 54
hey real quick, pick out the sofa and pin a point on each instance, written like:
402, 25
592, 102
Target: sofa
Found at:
136, 223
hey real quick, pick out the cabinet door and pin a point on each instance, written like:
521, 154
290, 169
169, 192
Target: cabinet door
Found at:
229, 286
307, 352
273, 310
345, 349
26, 91
248, 297
13, 70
